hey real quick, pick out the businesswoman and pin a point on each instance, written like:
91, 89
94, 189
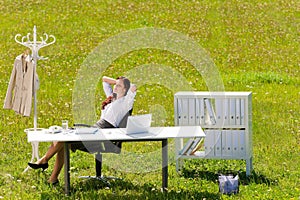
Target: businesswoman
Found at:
119, 101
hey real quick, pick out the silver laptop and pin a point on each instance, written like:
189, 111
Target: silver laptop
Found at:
138, 123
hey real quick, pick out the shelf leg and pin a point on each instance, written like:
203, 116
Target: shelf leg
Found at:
249, 166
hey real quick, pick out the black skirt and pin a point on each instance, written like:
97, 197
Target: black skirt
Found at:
102, 123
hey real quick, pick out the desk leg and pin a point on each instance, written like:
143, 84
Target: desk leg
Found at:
164, 164
67, 168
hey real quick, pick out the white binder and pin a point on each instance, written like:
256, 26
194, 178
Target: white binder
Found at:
228, 143
223, 145
202, 112
238, 111
242, 111
242, 146
191, 112
232, 111
186, 147
197, 112
194, 145
209, 143
235, 142
210, 112
218, 142
226, 111
183, 108
219, 111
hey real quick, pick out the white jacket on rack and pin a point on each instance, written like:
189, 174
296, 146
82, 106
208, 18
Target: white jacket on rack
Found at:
20, 89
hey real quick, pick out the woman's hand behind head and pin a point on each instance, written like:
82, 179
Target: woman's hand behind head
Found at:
133, 88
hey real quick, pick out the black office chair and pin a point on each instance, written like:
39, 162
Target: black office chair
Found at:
100, 147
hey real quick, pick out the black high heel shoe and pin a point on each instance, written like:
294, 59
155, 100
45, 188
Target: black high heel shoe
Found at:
38, 166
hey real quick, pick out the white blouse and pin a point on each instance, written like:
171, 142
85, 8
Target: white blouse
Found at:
116, 110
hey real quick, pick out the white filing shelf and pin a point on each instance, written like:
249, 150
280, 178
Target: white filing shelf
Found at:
226, 118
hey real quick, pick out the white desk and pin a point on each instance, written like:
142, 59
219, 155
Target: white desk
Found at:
118, 134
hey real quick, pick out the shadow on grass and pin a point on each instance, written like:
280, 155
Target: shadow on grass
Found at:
122, 189
244, 180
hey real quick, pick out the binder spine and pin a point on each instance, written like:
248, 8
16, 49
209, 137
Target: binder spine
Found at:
210, 112
242, 112
199, 111
218, 143
238, 111
235, 142
219, 112
183, 111
232, 113
192, 114
209, 143
226, 111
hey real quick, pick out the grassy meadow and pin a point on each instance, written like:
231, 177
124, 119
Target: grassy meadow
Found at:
254, 45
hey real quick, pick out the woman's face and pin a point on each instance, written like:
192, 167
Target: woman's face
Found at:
119, 88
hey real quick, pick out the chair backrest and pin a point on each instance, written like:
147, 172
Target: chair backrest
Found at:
123, 122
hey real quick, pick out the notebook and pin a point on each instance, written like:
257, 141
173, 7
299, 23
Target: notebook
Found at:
138, 123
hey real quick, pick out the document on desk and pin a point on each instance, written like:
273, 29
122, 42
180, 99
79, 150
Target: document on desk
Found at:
86, 130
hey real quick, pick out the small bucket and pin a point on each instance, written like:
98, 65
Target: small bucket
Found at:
229, 184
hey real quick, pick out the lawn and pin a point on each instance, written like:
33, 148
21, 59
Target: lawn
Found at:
253, 46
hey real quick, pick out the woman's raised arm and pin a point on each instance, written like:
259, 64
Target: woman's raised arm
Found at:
109, 80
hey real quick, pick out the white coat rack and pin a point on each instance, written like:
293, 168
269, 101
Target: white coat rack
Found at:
35, 46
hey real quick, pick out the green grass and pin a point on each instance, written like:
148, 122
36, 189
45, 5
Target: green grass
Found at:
254, 44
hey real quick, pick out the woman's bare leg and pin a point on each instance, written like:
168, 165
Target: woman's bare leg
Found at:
59, 162
53, 149
58, 149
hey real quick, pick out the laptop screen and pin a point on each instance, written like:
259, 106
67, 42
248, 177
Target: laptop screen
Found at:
138, 123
